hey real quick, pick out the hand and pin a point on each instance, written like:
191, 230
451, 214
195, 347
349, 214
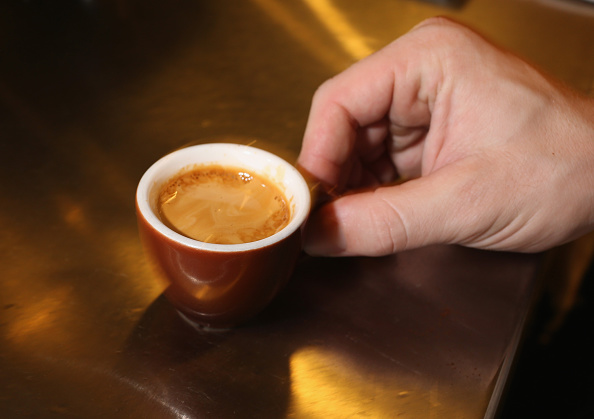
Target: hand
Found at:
495, 154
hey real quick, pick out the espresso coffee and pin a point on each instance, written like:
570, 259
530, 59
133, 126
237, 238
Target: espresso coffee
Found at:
223, 205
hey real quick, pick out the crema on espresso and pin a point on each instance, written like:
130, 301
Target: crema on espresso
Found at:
223, 205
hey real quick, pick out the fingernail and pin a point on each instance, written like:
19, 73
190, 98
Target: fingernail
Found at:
323, 236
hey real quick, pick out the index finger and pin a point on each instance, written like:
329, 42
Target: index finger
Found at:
391, 82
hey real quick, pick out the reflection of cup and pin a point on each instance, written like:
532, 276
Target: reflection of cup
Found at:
222, 285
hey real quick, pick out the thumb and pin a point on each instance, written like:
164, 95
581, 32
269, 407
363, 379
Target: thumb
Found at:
391, 219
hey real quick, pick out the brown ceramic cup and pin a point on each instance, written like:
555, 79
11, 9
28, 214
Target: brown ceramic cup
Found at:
221, 285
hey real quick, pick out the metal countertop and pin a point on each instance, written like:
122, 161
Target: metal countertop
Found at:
93, 92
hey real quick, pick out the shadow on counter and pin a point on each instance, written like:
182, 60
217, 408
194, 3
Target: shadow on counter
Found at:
346, 336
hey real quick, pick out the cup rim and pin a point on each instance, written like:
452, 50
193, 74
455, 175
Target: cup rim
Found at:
147, 182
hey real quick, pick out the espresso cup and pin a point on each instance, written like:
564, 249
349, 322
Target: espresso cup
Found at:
221, 285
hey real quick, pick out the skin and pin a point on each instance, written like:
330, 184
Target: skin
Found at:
495, 154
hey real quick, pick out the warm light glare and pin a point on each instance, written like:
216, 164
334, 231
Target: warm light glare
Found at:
351, 40
37, 318
325, 384
305, 35
73, 214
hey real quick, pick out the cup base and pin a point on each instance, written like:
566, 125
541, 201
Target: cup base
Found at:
201, 327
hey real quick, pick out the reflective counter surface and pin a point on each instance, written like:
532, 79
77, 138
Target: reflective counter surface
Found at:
93, 92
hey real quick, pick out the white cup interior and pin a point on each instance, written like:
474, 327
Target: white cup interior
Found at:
284, 175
